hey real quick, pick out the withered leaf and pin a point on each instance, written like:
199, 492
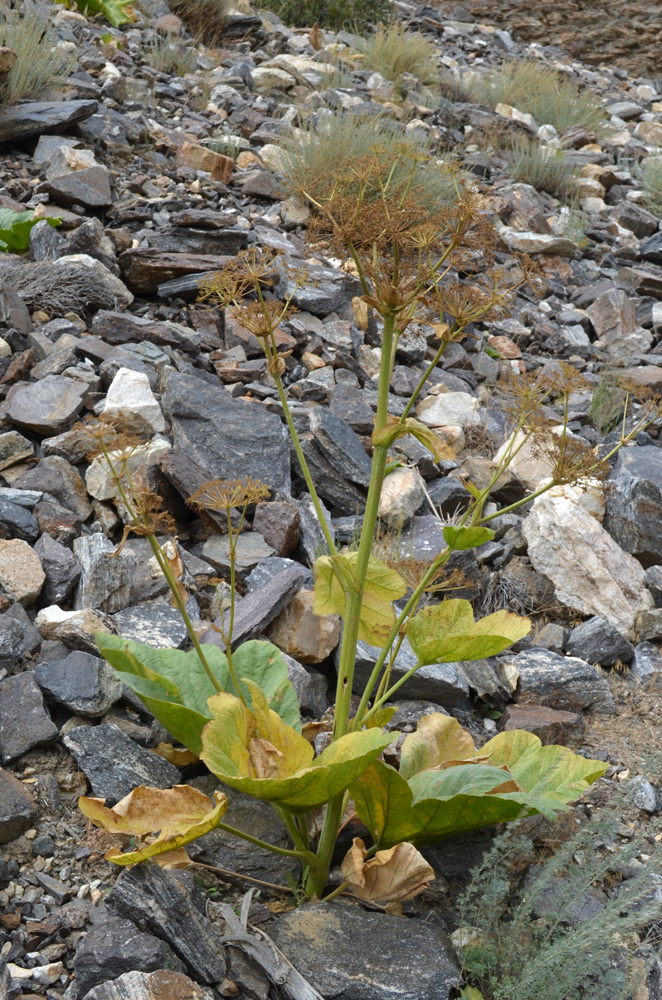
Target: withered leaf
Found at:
394, 875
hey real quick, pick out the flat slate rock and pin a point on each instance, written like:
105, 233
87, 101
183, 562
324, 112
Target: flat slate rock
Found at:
115, 765
341, 446
144, 270
22, 121
348, 954
230, 437
259, 607
157, 625
85, 684
563, 682
17, 808
48, 407
153, 896
24, 721
441, 683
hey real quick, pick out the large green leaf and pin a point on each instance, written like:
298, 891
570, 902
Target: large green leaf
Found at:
175, 687
466, 537
257, 753
445, 632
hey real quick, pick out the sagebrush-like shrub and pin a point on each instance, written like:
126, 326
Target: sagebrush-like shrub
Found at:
393, 52
40, 64
545, 169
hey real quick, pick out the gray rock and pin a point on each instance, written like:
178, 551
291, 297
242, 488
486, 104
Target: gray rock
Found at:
157, 625
114, 946
21, 121
633, 511
649, 624
14, 448
85, 684
17, 522
11, 640
653, 577
230, 437
31, 636
640, 462
559, 681
46, 243
268, 569
115, 765
149, 894
647, 662
342, 495
596, 641
161, 985
47, 407
61, 567
341, 446
311, 688
17, 809
553, 637
441, 683
24, 721
347, 401
250, 549
57, 476
409, 959
311, 537
259, 608
105, 581
645, 796
324, 291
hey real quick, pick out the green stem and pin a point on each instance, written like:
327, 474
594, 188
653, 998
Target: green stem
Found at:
290, 825
307, 858
336, 892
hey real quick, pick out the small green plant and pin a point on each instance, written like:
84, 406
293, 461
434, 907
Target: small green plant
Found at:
357, 15
552, 98
168, 56
15, 229
651, 176
608, 402
520, 937
205, 20
393, 52
40, 64
116, 12
545, 169
235, 707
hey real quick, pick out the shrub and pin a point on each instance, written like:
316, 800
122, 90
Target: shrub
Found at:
651, 176
358, 15
314, 161
205, 20
552, 98
40, 64
393, 52
545, 169
168, 56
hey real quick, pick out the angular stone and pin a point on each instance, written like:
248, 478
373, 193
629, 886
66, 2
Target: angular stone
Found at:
302, 634
310, 687
590, 572
161, 985
454, 409
106, 578
125, 328
402, 494
89, 187
342, 495
348, 402
260, 607
548, 724
441, 683
653, 576
635, 218
596, 641
131, 401
612, 315
141, 464
325, 290
230, 437
75, 629
21, 572
83, 683
552, 637
150, 894
145, 269
278, 523
646, 663
341, 446
196, 157
17, 808
22, 121
114, 765
250, 548
14, 448
645, 796
61, 567
114, 946
156, 625
17, 522
11, 640
47, 407
55, 475
411, 959
268, 569
24, 722
562, 682
531, 242
649, 624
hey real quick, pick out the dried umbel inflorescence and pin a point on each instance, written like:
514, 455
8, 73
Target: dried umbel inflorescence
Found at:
224, 494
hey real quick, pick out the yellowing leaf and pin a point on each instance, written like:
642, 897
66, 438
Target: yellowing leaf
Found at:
172, 557
262, 756
335, 577
394, 875
438, 739
176, 755
179, 815
446, 632
395, 428
466, 537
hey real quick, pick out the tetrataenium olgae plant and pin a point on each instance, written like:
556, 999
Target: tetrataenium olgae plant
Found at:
236, 708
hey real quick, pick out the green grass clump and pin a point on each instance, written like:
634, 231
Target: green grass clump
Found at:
168, 56
205, 20
552, 98
544, 169
651, 176
322, 154
393, 52
358, 15
40, 65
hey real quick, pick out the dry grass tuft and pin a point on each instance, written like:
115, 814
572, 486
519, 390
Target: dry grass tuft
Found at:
40, 64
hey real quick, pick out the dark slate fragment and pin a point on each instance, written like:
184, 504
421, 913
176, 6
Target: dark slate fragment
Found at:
85, 684
24, 722
17, 809
125, 328
259, 608
342, 495
61, 567
17, 522
153, 896
160, 985
22, 121
113, 946
160, 626
230, 437
563, 682
115, 765
651, 249
409, 959
596, 641
441, 683
633, 513
341, 446
47, 407
187, 476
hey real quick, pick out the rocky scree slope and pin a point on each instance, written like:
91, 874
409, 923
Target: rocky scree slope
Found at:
102, 316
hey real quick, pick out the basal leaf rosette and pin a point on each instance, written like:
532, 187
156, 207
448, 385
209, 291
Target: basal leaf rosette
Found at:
170, 818
445, 787
175, 688
259, 754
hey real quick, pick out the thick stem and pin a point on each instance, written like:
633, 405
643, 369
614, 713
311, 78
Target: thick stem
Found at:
306, 858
